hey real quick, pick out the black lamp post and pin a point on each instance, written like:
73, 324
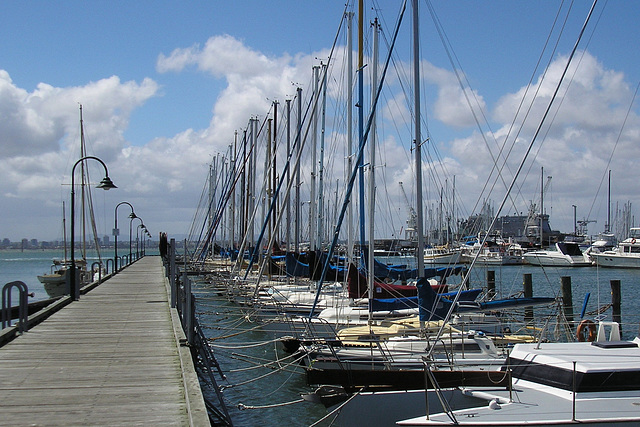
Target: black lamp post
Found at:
131, 234
140, 226
144, 242
116, 232
106, 184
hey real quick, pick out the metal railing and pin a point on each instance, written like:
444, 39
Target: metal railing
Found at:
23, 307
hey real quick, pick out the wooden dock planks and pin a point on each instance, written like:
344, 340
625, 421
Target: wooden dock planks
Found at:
111, 358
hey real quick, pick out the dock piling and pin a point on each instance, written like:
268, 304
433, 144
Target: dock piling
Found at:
567, 297
527, 284
616, 297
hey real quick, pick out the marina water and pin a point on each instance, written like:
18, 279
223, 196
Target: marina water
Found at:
263, 384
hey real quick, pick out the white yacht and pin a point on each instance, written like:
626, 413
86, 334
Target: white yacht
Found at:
557, 384
567, 254
625, 255
442, 255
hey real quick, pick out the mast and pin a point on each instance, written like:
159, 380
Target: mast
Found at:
320, 228
274, 173
607, 228
212, 173
83, 153
268, 160
234, 156
361, 115
251, 194
418, 141
297, 200
372, 163
349, 129
541, 205
243, 186
64, 232
288, 199
314, 165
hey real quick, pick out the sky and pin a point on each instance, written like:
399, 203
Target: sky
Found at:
165, 85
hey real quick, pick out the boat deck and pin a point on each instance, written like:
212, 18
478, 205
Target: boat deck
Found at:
112, 358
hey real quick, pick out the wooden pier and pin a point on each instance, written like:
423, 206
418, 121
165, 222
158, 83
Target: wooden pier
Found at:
112, 358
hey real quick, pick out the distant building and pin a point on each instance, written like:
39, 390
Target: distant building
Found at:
524, 229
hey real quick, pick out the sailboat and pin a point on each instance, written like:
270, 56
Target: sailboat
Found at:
56, 282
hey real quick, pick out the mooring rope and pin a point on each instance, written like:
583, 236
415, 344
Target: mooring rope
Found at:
235, 347
242, 406
235, 334
262, 376
260, 363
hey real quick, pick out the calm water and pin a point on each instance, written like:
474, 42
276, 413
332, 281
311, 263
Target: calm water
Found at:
26, 265
243, 348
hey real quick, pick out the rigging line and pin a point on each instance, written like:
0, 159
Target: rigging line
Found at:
356, 394
357, 162
538, 90
530, 84
604, 175
456, 65
272, 205
286, 168
515, 177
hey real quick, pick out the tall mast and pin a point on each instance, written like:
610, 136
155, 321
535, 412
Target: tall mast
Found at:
372, 164
349, 128
297, 143
361, 115
320, 207
274, 174
243, 186
252, 179
83, 153
313, 220
232, 212
288, 199
418, 141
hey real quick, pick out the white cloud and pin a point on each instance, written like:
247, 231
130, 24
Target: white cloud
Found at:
164, 177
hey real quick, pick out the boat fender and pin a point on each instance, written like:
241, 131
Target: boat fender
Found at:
494, 405
586, 331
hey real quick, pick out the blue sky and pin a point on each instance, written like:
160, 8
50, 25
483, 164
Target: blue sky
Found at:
164, 84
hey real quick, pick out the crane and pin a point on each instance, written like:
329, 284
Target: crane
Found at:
410, 232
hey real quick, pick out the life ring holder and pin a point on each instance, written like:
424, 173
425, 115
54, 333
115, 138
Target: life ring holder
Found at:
586, 331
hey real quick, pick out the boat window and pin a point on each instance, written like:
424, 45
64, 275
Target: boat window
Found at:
609, 380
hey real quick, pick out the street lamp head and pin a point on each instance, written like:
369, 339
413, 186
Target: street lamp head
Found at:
106, 184
133, 215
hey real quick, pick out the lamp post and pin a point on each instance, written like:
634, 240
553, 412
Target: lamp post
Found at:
106, 184
131, 235
116, 232
144, 247
141, 225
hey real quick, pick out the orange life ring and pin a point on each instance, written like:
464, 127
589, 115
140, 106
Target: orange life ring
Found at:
586, 331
